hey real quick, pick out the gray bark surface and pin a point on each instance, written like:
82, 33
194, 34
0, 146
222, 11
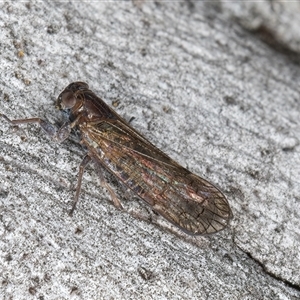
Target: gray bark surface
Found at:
215, 86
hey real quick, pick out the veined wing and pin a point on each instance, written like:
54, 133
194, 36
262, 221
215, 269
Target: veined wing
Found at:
185, 199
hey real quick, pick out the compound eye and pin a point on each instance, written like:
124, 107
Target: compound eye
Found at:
68, 100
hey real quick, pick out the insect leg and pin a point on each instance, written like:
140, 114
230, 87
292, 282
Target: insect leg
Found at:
114, 197
56, 134
82, 166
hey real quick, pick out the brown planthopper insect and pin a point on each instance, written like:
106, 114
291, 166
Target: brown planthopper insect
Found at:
183, 198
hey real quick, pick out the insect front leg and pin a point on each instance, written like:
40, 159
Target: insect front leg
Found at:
56, 134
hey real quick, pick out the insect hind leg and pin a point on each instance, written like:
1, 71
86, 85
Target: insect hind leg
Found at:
113, 195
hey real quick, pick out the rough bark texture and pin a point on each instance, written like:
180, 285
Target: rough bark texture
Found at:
216, 86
